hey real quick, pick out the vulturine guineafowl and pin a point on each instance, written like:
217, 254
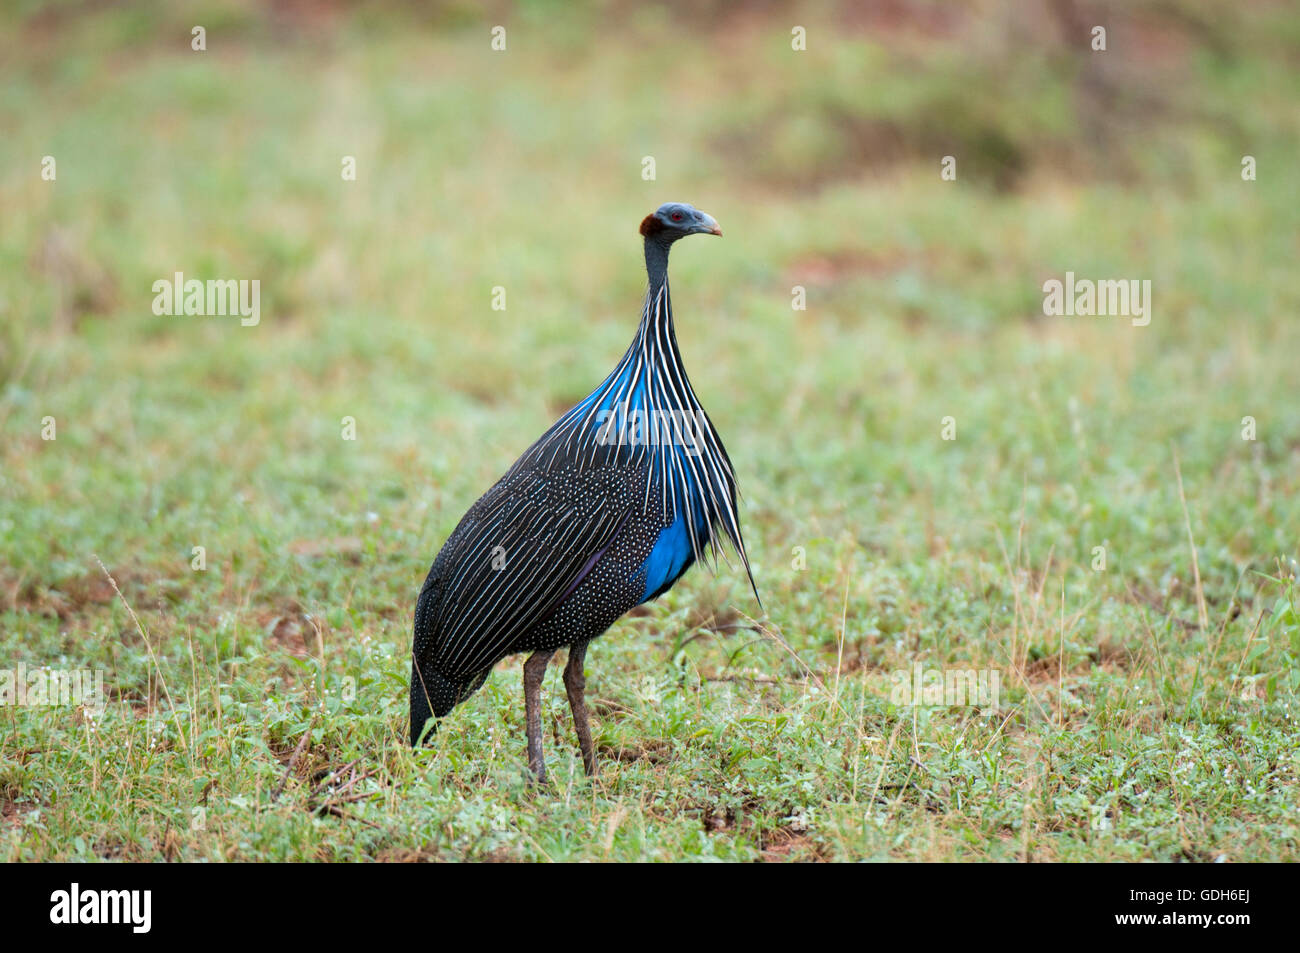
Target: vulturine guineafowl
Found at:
604, 512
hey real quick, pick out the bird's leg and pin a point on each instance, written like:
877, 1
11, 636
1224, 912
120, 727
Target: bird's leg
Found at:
534, 670
575, 684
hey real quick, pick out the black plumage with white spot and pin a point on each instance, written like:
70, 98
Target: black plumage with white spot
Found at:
581, 528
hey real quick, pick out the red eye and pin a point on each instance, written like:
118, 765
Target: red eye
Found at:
676, 216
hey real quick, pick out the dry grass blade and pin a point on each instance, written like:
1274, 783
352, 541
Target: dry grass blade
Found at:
1201, 611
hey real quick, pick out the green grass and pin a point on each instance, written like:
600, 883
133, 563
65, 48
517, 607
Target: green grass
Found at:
1131, 726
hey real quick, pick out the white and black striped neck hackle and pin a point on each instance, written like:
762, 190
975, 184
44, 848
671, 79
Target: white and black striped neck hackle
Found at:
646, 411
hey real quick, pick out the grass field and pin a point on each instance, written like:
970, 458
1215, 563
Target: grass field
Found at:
257, 707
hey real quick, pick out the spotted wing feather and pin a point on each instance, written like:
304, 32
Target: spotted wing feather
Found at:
513, 559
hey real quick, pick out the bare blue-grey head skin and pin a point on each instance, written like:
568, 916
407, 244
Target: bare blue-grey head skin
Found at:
665, 225
592, 520
674, 220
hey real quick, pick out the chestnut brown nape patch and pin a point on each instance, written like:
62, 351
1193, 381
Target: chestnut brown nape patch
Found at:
650, 225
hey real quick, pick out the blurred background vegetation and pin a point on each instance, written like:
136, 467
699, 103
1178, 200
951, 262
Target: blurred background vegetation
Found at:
522, 169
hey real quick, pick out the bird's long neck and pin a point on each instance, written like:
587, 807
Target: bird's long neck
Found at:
656, 266
656, 262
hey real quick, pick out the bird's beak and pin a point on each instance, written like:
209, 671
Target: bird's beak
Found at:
709, 226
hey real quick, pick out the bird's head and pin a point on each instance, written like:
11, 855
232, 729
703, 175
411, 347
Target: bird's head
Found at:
674, 220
